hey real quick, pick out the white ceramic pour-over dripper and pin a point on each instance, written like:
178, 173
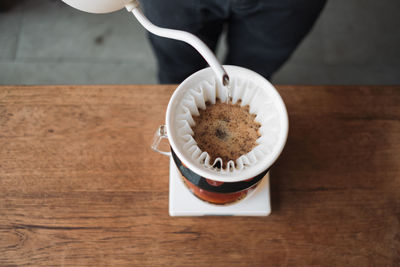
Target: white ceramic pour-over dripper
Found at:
249, 87
106, 6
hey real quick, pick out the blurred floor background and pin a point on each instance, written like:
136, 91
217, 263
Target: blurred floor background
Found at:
48, 42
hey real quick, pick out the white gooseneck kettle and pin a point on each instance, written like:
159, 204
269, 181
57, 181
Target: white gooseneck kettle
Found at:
107, 6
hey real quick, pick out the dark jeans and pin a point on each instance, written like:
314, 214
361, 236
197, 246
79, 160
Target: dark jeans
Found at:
261, 34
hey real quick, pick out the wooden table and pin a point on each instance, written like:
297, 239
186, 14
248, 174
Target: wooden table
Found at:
79, 184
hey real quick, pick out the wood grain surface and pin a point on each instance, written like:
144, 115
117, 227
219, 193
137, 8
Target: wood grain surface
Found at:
79, 184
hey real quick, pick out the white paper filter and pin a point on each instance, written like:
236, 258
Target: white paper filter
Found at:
261, 103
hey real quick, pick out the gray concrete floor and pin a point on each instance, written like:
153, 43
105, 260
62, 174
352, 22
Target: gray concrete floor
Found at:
47, 42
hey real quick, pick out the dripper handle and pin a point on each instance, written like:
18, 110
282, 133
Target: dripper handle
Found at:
187, 37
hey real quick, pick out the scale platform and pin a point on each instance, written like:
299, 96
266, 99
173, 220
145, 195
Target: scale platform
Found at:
183, 203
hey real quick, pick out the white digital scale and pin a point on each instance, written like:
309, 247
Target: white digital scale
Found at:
183, 203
